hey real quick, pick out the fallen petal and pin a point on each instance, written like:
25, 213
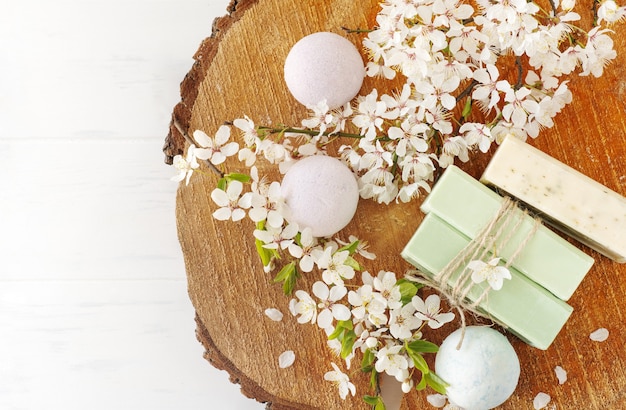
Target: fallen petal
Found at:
286, 359
437, 400
274, 314
541, 401
561, 374
599, 335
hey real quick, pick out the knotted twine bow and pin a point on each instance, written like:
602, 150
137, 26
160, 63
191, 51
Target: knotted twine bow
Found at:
497, 233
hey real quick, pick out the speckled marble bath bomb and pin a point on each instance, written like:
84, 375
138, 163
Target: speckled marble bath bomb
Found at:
484, 373
321, 193
324, 66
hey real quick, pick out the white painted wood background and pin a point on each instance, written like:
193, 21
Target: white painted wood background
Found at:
94, 312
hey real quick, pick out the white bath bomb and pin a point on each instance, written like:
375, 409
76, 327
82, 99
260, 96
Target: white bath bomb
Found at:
484, 373
321, 193
324, 66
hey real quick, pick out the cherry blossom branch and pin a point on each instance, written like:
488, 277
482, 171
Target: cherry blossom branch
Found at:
190, 141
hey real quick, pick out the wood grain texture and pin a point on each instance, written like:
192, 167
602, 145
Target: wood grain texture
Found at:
229, 290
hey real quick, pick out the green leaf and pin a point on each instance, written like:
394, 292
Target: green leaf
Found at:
351, 247
375, 401
290, 282
422, 384
351, 262
265, 254
237, 177
374, 379
344, 332
221, 184
288, 275
467, 108
423, 346
284, 272
436, 383
347, 343
408, 289
419, 362
341, 327
367, 364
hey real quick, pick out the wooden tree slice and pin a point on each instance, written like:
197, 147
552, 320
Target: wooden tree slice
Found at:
238, 71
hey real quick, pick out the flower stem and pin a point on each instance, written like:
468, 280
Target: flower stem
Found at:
305, 131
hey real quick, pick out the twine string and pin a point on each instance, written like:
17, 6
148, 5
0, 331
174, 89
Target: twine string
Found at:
495, 235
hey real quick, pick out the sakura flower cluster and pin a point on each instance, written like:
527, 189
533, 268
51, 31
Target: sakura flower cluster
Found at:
451, 55
381, 318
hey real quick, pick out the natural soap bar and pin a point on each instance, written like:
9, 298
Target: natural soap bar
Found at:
529, 311
546, 258
573, 202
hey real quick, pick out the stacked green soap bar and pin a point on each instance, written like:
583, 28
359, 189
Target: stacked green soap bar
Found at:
527, 309
546, 258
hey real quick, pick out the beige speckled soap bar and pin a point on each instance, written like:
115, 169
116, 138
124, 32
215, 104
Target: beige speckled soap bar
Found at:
571, 201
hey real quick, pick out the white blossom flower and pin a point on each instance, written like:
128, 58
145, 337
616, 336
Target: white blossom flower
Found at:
361, 248
438, 90
519, 104
217, 149
249, 131
385, 283
407, 137
402, 322
375, 156
430, 311
378, 184
371, 113
185, 165
610, 12
341, 380
321, 117
366, 302
391, 360
598, 52
450, 9
303, 306
453, 147
329, 309
232, 203
491, 272
276, 153
275, 238
487, 93
477, 134
268, 206
305, 250
402, 102
335, 269
417, 167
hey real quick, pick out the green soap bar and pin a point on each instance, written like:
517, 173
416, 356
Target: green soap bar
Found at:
547, 259
530, 312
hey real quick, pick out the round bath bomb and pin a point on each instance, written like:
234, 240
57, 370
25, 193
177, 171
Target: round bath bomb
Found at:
324, 66
321, 193
484, 373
